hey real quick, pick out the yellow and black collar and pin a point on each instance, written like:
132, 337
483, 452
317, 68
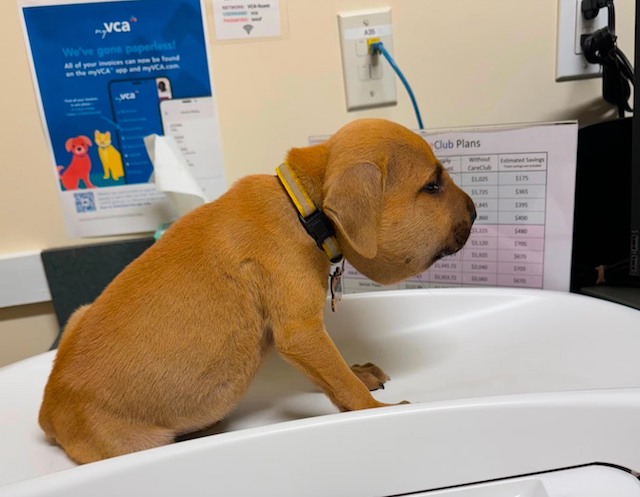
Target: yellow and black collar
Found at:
315, 222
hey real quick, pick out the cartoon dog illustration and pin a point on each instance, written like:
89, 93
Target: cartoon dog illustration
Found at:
109, 156
80, 166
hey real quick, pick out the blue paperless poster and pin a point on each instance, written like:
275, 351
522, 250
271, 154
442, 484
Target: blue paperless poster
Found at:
102, 71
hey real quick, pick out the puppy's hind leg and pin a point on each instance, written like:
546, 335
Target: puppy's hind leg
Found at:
103, 437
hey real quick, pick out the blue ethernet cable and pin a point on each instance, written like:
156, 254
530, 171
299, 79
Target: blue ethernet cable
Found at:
377, 46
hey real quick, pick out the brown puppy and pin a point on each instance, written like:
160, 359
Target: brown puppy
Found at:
173, 342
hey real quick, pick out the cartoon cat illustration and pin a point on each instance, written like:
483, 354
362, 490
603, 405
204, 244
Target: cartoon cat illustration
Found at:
109, 156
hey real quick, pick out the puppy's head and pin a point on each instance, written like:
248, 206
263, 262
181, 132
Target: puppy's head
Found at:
394, 207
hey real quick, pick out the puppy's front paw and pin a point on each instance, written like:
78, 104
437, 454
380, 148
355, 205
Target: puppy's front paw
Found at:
371, 375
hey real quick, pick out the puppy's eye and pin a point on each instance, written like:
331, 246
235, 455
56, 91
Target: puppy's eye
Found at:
433, 187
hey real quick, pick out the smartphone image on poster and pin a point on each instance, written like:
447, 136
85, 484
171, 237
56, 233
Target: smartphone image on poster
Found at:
136, 109
193, 124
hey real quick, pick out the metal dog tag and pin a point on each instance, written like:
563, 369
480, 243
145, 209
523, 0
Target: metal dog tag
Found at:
336, 285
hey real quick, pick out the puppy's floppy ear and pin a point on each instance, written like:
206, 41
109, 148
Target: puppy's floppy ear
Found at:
68, 145
353, 202
86, 140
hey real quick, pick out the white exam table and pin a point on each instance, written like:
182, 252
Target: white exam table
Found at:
507, 386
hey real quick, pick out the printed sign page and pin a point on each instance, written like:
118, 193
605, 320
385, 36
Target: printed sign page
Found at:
101, 77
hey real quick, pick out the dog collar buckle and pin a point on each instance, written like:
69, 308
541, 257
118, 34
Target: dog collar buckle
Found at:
319, 227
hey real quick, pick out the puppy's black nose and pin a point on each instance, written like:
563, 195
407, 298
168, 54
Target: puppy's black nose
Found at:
471, 207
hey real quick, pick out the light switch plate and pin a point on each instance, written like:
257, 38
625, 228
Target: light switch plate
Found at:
368, 81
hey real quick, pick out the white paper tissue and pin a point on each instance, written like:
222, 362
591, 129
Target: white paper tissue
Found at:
171, 174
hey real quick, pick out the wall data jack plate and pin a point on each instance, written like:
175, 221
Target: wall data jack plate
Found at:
368, 81
570, 62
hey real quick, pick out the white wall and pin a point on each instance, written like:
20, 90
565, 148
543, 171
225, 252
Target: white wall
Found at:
469, 62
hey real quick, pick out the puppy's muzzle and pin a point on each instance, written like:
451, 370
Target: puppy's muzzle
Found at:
461, 231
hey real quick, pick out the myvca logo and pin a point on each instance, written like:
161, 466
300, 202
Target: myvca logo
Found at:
116, 27
130, 95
